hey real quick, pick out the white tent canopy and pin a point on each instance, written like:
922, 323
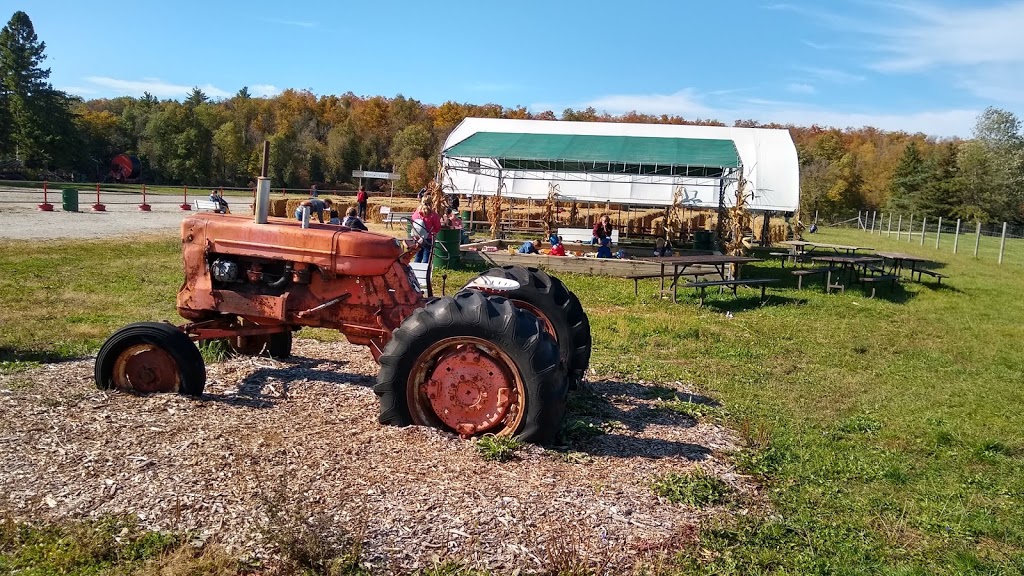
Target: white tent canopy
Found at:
767, 158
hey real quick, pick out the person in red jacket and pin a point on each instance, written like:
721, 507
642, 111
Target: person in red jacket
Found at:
557, 249
361, 200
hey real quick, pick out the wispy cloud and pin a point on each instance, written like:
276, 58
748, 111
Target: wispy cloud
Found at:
800, 88
78, 90
830, 75
296, 23
264, 90
975, 48
692, 105
154, 86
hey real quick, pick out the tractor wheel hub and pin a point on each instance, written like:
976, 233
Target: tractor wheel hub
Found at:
469, 391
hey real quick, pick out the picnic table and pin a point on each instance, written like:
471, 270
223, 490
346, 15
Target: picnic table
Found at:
803, 247
847, 265
679, 265
900, 259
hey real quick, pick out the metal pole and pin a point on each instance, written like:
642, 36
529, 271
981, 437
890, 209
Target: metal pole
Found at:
938, 233
910, 229
888, 233
262, 208
873, 214
899, 229
956, 236
977, 240
1002, 244
924, 229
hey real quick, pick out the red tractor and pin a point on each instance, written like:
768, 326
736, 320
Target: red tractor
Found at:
497, 357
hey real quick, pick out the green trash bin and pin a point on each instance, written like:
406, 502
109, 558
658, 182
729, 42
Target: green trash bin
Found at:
69, 198
446, 248
465, 215
704, 240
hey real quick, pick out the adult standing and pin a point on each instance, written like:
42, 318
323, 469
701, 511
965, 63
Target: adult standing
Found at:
313, 192
362, 199
425, 226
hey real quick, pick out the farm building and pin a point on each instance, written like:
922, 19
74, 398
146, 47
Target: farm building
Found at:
623, 164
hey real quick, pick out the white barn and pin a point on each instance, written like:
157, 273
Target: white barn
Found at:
630, 164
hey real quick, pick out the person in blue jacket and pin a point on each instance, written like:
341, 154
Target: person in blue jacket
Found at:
605, 250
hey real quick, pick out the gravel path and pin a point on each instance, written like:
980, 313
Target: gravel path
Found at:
302, 435
21, 220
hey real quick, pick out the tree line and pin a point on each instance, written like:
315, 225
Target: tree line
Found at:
45, 132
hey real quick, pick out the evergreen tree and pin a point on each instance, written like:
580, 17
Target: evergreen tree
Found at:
941, 193
908, 180
35, 122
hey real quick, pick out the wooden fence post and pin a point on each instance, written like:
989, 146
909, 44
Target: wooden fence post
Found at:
1002, 244
956, 236
888, 233
924, 229
910, 229
873, 214
977, 239
899, 229
938, 233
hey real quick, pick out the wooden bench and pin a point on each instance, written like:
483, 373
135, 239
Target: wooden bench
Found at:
636, 278
734, 284
809, 272
937, 275
872, 280
389, 218
582, 235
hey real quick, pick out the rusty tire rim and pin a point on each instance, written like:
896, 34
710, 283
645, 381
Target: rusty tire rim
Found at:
545, 322
466, 384
146, 368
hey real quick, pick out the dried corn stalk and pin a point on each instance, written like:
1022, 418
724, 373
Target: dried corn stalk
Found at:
574, 214
739, 219
551, 209
673, 216
495, 216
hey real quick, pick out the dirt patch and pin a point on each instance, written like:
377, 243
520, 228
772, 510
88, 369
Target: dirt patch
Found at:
307, 428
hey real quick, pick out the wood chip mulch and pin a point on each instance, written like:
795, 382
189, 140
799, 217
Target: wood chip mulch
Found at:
302, 434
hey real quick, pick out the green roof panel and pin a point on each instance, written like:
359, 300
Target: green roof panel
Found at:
612, 149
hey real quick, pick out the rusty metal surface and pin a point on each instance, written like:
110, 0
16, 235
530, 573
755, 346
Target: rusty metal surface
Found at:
146, 368
360, 276
468, 385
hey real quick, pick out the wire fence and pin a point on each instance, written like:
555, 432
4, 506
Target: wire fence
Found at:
1002, 242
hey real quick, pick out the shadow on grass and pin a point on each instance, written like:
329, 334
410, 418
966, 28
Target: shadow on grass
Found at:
8, 354
252, 390
600, 414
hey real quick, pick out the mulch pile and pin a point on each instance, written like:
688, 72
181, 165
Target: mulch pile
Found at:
301, 435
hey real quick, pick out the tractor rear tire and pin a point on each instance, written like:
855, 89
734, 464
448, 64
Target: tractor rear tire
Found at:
437, 365
547, 296
150, 357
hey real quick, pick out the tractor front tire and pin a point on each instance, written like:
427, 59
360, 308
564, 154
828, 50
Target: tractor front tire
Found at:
150, 357
561, 311
473, 364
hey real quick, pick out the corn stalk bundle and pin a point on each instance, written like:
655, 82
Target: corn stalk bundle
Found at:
740, 219
574, 214
551, 209
494, 217
673, 217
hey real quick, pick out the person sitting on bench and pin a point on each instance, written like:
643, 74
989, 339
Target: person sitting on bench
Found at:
222, 204
662, 248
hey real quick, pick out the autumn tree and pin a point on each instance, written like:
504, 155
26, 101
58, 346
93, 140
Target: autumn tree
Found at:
908, 181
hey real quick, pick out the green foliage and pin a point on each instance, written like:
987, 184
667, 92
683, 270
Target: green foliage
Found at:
214, 351
697, 489
580, 431
687, 407
497, 448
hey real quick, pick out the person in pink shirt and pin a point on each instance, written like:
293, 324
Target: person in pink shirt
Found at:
425, 226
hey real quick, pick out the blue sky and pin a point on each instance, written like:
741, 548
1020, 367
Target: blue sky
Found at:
913, 65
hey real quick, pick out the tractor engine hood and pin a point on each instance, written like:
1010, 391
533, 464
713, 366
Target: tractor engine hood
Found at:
333, 249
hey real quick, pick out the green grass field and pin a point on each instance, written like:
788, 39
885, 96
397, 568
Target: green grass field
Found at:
887, 433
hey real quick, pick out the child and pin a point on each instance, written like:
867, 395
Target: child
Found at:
605, 250
334, 218
528, 247
662, 248
557, 248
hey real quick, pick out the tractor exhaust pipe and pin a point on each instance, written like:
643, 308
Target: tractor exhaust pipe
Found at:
262, 208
